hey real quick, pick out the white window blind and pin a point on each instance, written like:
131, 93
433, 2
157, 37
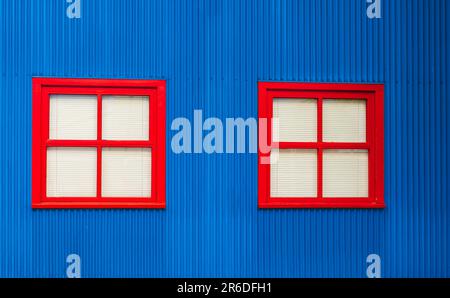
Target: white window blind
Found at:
125, 118
73, 117
71, 172
344, 120
345, 173
126, 172
293, 173
294, 120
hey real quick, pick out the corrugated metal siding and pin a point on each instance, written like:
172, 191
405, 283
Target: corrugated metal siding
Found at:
212, 53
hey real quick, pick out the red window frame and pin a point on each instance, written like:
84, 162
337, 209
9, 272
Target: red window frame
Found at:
374, 96
44, 87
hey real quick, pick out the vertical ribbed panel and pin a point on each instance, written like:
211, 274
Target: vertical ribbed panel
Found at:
212, 54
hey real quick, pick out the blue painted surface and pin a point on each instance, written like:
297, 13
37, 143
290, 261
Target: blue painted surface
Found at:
212, 54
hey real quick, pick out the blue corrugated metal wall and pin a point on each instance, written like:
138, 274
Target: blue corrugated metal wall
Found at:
212, 54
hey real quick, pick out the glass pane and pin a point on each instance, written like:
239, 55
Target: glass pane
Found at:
125, 118
344, 120
73, 117
294, 120
126, 172
293, 173
345, 173
71, 172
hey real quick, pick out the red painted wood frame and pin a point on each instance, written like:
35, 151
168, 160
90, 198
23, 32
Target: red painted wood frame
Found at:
374, 96
44, 87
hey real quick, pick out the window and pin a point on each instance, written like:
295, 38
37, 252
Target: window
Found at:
326, 146
98, 143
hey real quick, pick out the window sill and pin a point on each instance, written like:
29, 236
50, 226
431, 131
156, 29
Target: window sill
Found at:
323, 204
98, 205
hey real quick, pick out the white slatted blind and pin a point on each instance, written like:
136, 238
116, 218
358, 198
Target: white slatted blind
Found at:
125, 118
294, 120
344, 120
73, 117
293, 173
71, 172
126, 172
345, 173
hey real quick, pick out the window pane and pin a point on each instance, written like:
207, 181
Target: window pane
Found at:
126, 172
73, 117
345, 173
344, 120
293, 173
125, 118
294, 120
71, 172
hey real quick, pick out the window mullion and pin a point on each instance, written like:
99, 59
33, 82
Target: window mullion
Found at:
99, 146
319, 149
